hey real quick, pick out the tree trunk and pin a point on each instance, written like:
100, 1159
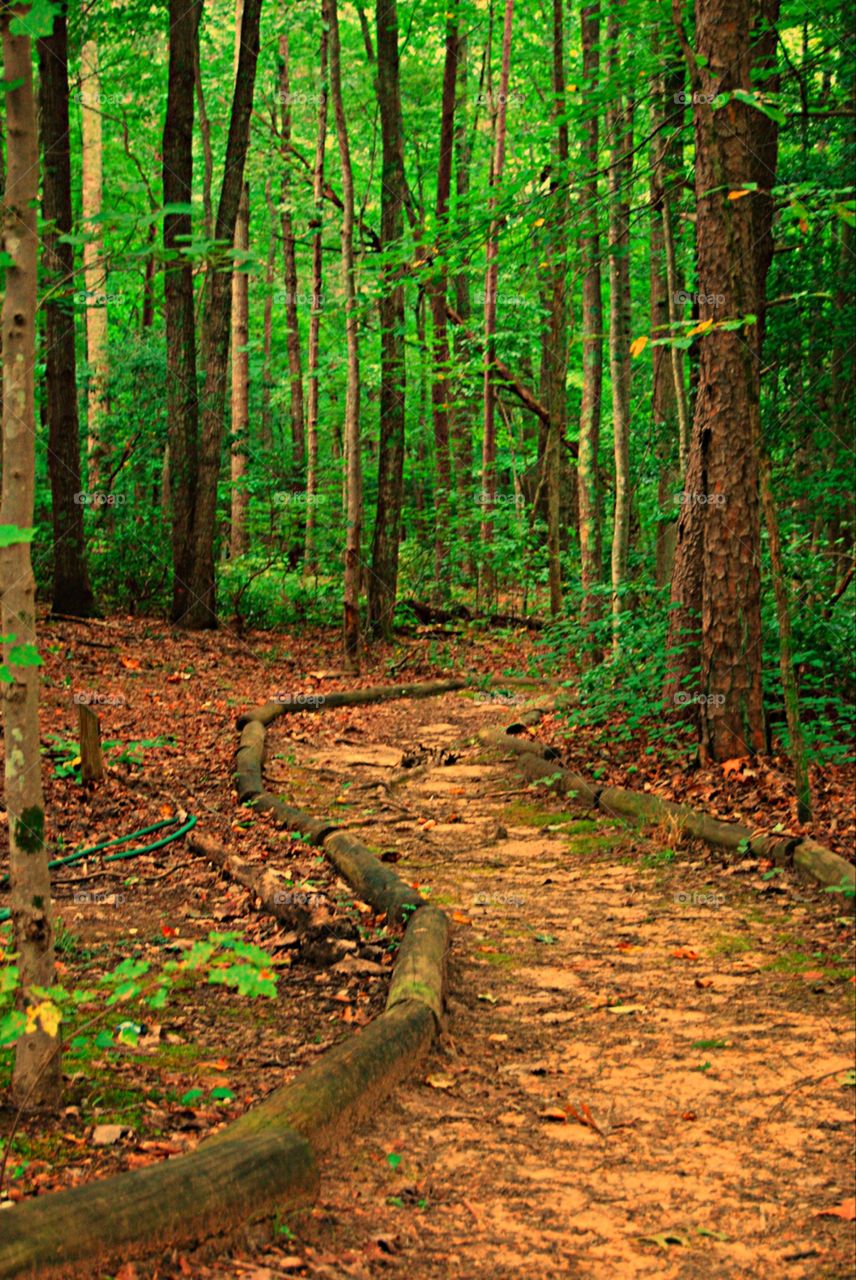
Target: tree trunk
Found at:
720, 520
240, 326
292, 328
441, 393
94, 271
461, 425
588, 480
181, 391
488, 493
37, 1078
555, 364
316, 227
619, 119
353, 461
201, 610
72, 593
383, 581
266, 434
668, 401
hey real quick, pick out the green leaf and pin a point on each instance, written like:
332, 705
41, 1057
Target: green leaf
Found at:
25, 655
11, 535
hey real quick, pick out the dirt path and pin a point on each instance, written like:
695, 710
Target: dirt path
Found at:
626, 1022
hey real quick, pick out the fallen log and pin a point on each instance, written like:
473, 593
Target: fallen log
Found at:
271, 890
249, 761
373, 881
806, 855
212, 1190
347, 698
504, 741
420, 966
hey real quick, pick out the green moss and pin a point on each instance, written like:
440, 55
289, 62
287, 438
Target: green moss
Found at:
30, 830
731, 945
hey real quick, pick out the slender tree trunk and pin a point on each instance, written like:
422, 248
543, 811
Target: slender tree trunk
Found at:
240, 337
240, 326
181, 391
488, 494
588, 479
555, 368
619, 125
37, 1078
266, 437
72, 593
201, 612
94, 270
292, 328
720, 519
668, 397
316, 226
354, 512
393, 370
441, 393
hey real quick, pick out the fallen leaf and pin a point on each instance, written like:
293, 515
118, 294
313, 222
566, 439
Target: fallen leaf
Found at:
440, 1081
846, 1210
104, 1135
460, 918
488, 998
704, 982
554, 1113
733, 766
666, 1238
638, 345
737, 195
625, 1008
700, 328
684, 953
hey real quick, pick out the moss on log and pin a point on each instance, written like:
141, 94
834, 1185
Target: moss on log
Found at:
370, 879
249, 761
502, 741
420, 967
210, 1191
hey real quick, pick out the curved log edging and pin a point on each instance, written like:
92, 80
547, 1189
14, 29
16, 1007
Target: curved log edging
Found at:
264, 1161
814, 860
343, 698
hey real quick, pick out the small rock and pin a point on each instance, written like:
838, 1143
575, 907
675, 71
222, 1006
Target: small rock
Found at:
104, 1135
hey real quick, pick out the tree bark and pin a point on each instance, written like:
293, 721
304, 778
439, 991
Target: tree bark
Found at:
383, 581
37, 1078
94, 270
588, 479
488, 493
72, 593
717, 563
181, 390
353, 460
201, 610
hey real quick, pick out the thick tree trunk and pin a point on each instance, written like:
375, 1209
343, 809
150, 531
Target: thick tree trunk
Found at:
316, 226
240, 326
353, 459
201, 610
491, 284
620, 128
94, 271
441, 393
72, 593
181, 391
292, 328
588, 479
720, 519
383, 581
37, 1078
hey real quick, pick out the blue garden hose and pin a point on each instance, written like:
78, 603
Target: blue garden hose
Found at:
69, 858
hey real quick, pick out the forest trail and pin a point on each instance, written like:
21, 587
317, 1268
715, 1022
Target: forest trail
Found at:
612, 1095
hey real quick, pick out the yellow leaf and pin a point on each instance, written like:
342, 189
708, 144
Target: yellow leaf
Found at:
700, 328
638, 345
539, 222
44, 1014
737, 195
